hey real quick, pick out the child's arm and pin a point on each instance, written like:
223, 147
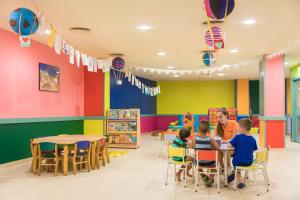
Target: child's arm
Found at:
229, 145
214, 144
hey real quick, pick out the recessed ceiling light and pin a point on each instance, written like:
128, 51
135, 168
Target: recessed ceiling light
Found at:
220, 74
47, 31
249, 21
162, 53
233, 50
170, 67
144, 27
286, 63
225, 65
176, 75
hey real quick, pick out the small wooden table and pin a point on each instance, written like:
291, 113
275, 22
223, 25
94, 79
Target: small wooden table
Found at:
66, 140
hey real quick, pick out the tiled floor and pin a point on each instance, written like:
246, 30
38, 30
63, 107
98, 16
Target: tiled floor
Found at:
140, 175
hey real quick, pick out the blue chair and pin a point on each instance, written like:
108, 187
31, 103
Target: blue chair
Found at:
81, 155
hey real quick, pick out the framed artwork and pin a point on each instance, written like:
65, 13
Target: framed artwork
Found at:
49, 78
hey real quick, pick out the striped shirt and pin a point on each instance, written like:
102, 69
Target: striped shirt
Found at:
204, 143
178, 142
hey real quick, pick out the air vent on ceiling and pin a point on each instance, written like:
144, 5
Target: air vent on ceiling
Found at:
80, 29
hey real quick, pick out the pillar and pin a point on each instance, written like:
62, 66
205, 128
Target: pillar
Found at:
272, 101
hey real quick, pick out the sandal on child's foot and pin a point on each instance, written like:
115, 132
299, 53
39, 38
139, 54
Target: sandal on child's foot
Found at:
178, 177
204, 177
209, 182
230, 178
241, 185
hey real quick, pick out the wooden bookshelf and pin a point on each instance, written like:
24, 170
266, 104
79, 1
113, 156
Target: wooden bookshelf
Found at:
123, 128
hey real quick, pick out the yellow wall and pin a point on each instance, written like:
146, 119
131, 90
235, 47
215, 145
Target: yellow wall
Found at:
194, 96
243, 97
93, 127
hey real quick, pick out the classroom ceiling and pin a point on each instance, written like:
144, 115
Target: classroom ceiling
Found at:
176, 28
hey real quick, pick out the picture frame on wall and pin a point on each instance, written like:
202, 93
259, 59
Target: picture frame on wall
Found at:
49, 78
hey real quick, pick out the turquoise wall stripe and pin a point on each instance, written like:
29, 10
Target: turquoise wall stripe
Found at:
274, 118
47, 119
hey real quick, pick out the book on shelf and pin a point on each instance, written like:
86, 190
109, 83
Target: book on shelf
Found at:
132, 126
133, 114
114, 114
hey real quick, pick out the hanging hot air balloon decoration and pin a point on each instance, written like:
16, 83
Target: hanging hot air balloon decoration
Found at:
214, 38
118, 64
24, 22
208, 59
218, 9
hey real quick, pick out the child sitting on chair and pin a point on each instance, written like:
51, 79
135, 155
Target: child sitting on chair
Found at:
244, 145
203, 141
181, 141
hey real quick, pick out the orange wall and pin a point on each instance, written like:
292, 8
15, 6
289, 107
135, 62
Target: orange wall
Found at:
243, 97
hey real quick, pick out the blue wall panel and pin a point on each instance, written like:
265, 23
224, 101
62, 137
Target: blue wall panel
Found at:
130, 96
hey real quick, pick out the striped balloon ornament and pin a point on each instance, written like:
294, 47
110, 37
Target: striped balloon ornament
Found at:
217, 34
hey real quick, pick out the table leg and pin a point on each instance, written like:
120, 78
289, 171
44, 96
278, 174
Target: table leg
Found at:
225, 168
65, 160
93, 156
34, 158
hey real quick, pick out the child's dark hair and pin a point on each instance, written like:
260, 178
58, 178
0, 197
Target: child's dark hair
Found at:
204, 126
184, 133
246, 123
220, 130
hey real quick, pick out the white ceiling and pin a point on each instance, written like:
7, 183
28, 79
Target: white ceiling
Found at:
177, 30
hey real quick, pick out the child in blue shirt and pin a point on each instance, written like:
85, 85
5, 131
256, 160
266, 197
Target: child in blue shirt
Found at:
244, 145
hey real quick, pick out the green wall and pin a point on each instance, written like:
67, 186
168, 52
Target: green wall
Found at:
254, 96
194, 96
15, 137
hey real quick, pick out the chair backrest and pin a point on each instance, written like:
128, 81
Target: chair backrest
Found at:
83, 145
254, 130
47, 146
170, 137
176, 152
206, 155
262, 155
100, 145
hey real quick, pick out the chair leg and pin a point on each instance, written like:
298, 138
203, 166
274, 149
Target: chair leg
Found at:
196, 176
267, 176
166, 183
218, 181
265, 179
56, 167
97, 161
235, 179
175, 172
74, 165
89, 162
254, 177
185, 175
39, 166
107, 155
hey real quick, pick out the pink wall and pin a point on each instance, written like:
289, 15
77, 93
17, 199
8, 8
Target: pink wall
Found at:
19, 81
164, 121
148, 124
274, 88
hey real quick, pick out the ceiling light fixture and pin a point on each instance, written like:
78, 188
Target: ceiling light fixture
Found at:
47, 32
220, 74
170, 67
233, 50
249, 21
162, 53
286, 63
225, 65
144, 27
176, 75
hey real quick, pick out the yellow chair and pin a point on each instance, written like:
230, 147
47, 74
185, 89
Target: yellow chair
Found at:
259, 164
254, 130
100, 153
180, 153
